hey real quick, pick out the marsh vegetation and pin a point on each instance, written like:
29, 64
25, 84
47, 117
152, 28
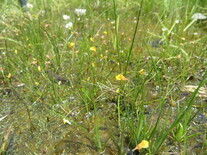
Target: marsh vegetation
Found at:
103, 77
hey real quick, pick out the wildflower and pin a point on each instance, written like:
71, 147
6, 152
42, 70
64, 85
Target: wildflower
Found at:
143, 144
39, 68
65, 121
105, 32
118, 90
91, 39
37, 83
182, 38
177, 21
47, 25
93, 49
20, 85
179, 56
80, 12
103, 57
92, 64
42, 12
141, 71
29, 5
66, 17
198, 16
120, 77
70, 45
164, 29
15, 51
69, 25
9, 75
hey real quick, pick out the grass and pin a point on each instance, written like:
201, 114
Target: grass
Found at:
117, 77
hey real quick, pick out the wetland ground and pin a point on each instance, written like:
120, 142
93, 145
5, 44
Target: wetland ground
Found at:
103, 77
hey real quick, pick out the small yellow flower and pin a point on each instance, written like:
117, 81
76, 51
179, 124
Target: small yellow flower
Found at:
39, 68
118, 90
37, 83
70, 45
105, 32
141, 71
103, 57
91, 39
15, 51
143, 144
9, 75
120, 77
93, 49
92, 64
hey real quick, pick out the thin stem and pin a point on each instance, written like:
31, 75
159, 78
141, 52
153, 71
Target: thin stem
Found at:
133, 39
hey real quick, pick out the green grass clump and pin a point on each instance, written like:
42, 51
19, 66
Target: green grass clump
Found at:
113, 78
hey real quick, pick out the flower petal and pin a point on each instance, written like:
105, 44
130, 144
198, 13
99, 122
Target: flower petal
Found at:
143, 144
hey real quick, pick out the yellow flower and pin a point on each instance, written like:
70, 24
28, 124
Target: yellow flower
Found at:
37, 83
143, 144
120, 77
103, 57
93, 49
118, 90
141, 71
70, 45
105, 32
92, 64
39, 68
15, 51
9, 75
91, 39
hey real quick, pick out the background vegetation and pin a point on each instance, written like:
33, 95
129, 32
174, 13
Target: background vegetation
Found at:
126, 71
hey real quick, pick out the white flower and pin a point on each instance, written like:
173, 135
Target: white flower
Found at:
65, 121
177, 21
66, 17
20, 85
69, 25
164, 29
80, 12
29, 5
198, 16
42, 12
